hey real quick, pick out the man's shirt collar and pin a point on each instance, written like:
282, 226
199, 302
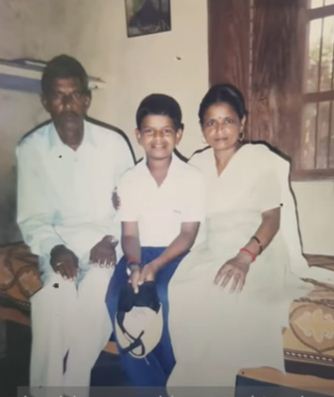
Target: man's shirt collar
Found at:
57, 144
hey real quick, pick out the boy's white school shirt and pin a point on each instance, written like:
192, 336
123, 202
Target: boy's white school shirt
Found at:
160, 210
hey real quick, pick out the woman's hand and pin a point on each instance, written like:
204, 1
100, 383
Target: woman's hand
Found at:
139, 275
234, 270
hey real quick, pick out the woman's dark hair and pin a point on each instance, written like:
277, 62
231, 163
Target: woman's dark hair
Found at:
64, 66
160, 104
226, 93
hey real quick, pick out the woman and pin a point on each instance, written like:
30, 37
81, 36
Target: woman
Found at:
230, 296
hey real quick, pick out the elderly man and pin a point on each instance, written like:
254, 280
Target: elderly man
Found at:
67, 171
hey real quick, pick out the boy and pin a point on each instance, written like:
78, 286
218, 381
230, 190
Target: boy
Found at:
161, 207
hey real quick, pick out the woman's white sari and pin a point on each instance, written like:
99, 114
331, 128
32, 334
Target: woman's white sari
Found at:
215, 333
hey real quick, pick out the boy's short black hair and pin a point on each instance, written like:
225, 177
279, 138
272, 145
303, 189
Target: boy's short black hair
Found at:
64, 66
160, 104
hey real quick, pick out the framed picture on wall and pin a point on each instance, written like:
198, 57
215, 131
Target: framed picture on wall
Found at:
147, 16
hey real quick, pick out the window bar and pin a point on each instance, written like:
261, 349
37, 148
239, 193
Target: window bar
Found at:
250, 67
318, 90
330, 116
301, 158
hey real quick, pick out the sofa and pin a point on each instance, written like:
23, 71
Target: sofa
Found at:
308, 341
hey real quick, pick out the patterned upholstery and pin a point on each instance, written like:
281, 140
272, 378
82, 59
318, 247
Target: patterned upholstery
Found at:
309, 340
19, 279
19, 276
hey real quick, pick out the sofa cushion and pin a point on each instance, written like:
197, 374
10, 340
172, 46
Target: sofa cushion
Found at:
309, 339
19, 276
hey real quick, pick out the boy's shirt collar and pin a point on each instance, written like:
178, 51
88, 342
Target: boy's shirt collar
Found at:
172, 169
171, 166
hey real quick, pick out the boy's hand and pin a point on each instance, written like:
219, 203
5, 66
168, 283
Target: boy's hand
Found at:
139, 275
148, 273
134, 276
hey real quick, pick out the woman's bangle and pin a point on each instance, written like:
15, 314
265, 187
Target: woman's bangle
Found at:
255, 238
250, 253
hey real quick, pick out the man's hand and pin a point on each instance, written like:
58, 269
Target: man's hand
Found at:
103, 253
64, 261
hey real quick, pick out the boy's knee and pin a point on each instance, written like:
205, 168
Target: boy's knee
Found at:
162, 293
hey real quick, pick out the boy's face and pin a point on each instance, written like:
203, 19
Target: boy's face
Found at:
158, 136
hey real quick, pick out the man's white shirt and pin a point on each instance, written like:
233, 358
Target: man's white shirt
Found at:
64, 196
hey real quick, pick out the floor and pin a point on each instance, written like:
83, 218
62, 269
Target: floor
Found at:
15, 358
14, 362
14, 365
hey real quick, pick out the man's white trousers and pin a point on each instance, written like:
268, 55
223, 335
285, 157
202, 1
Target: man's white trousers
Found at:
72, 321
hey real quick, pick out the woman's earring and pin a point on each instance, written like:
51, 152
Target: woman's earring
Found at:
241, 136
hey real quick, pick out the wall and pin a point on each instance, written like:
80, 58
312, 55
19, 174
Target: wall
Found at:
315, 202
171, 62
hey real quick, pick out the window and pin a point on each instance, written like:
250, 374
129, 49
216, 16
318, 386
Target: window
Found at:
281, 55
317, 130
